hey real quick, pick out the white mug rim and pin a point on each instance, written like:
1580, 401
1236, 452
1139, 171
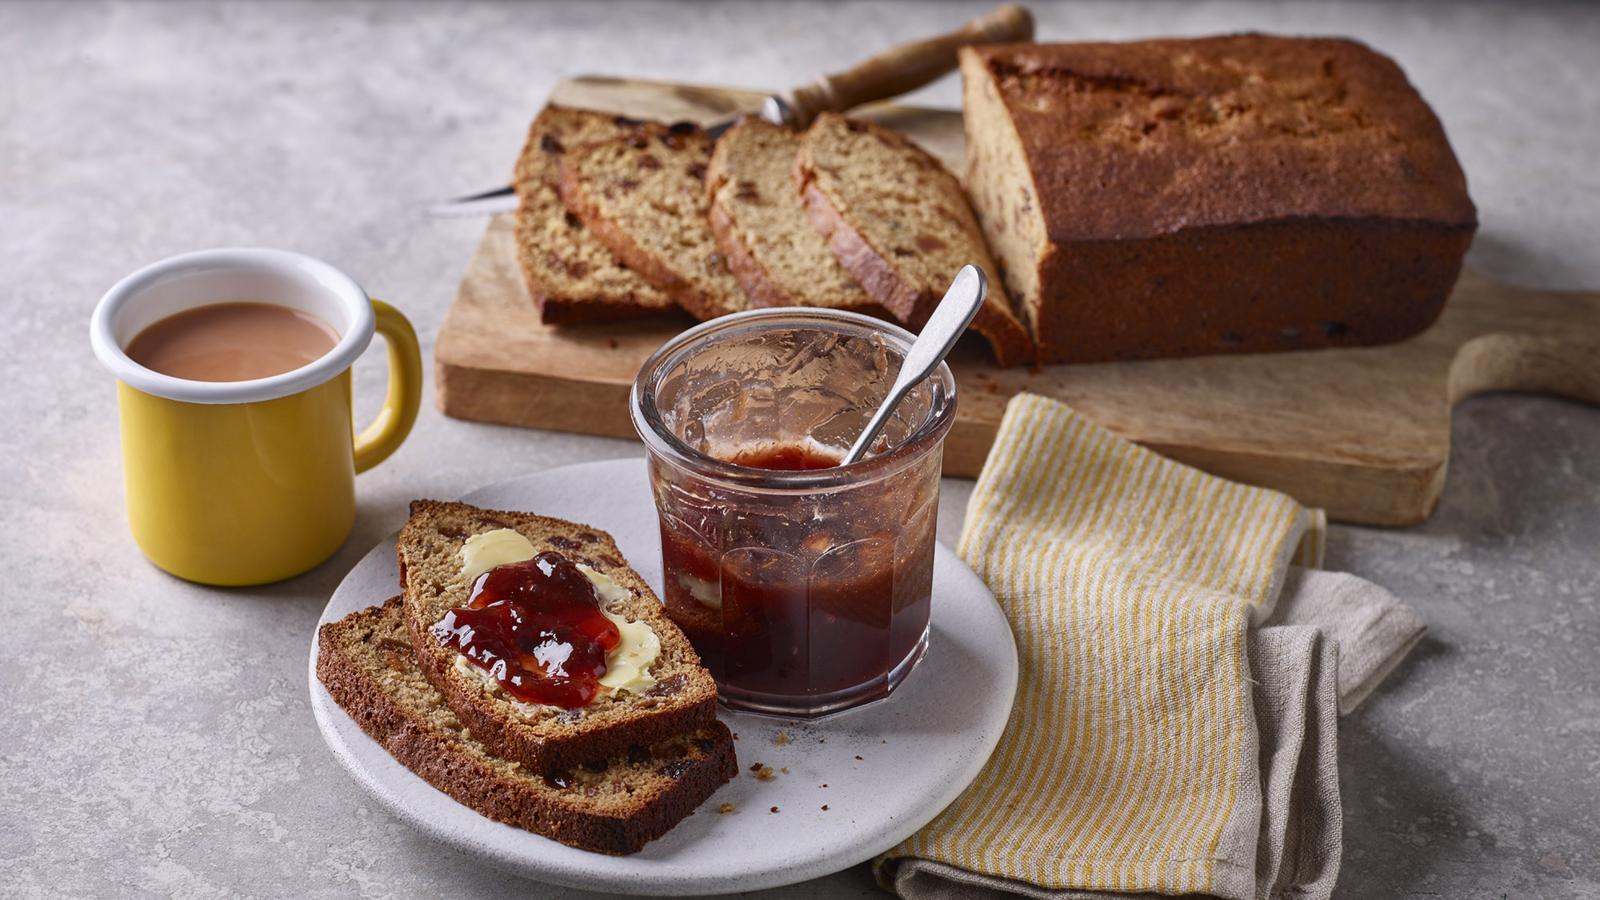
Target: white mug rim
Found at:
353, 341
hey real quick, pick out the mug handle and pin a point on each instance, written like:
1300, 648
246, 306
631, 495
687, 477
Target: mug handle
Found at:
393, 422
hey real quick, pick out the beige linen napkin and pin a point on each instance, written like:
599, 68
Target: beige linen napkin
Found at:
1372, 629
1159, 743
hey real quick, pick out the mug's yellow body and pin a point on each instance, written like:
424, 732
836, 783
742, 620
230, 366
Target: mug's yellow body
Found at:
244, 493
237, 494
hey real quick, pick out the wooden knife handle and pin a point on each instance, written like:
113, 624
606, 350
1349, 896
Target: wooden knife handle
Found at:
905, 68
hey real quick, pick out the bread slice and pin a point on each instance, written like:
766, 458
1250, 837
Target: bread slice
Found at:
899, 222
544, 738
366, 663
572, 276
644, 197
772, 248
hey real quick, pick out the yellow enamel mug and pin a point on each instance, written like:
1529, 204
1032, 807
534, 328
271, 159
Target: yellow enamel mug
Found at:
246, 482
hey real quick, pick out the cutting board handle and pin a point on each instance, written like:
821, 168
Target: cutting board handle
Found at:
1535, 364
905, 68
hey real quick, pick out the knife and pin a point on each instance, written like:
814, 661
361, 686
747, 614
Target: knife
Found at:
891, 73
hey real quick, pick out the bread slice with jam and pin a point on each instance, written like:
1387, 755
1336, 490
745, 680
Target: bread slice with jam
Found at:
899, 221
615, 806
676, 696
643, 196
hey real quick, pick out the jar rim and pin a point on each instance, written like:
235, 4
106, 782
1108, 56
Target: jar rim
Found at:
661, 441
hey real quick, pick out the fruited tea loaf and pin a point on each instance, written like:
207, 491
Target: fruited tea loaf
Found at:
643, 196
1227, 194
899, 222
778, 257
571, 275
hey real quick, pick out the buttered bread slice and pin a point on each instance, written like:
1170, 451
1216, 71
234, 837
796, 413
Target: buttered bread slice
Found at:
644, 197
899, 222
614, 806
513, 615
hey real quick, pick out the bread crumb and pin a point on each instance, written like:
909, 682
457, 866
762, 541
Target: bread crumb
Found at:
781, 739
784, 770
762, 773
726, 808
774, 809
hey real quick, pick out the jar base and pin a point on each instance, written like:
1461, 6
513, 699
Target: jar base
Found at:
815, 706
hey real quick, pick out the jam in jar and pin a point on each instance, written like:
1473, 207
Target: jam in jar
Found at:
804, 585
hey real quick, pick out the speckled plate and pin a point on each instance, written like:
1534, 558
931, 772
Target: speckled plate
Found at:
846, 787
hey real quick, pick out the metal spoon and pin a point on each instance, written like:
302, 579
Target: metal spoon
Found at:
948, 322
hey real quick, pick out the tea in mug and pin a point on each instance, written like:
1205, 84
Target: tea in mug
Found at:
237, 341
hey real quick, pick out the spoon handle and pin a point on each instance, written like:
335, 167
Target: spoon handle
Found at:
948, 322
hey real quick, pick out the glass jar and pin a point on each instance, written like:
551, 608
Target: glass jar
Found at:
804, 585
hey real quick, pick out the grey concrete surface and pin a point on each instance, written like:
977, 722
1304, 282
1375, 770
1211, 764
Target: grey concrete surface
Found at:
155, 738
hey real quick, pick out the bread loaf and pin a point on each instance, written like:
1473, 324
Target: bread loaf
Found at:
1229, 194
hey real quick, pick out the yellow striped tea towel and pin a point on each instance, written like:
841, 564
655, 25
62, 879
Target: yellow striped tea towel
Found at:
1158, 745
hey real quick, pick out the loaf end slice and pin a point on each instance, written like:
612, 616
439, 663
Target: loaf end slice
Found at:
571, 276
762, 228
365, 660
544, 738
899, 222
643, 196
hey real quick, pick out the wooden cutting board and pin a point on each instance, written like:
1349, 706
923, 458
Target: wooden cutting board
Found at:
1363, 433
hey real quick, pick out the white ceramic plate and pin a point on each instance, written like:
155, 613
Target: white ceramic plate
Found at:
889, 767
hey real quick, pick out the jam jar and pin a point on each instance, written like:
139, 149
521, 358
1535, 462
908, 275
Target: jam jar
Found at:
804, 585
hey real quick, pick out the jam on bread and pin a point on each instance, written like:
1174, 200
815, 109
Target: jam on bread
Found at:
537, 628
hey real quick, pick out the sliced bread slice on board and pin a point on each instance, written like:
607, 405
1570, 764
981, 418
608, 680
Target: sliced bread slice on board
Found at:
365, 660
778, 256
571, 275
900, 223
644, 197
544, 738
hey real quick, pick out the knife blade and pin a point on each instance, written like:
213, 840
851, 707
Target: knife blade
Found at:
891, 73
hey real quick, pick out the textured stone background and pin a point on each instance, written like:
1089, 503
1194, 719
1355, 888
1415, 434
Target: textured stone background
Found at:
155, 739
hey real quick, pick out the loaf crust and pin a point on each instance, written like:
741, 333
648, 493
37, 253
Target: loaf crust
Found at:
544, 739
1231, 194
571, 276
898, 221
365, 661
